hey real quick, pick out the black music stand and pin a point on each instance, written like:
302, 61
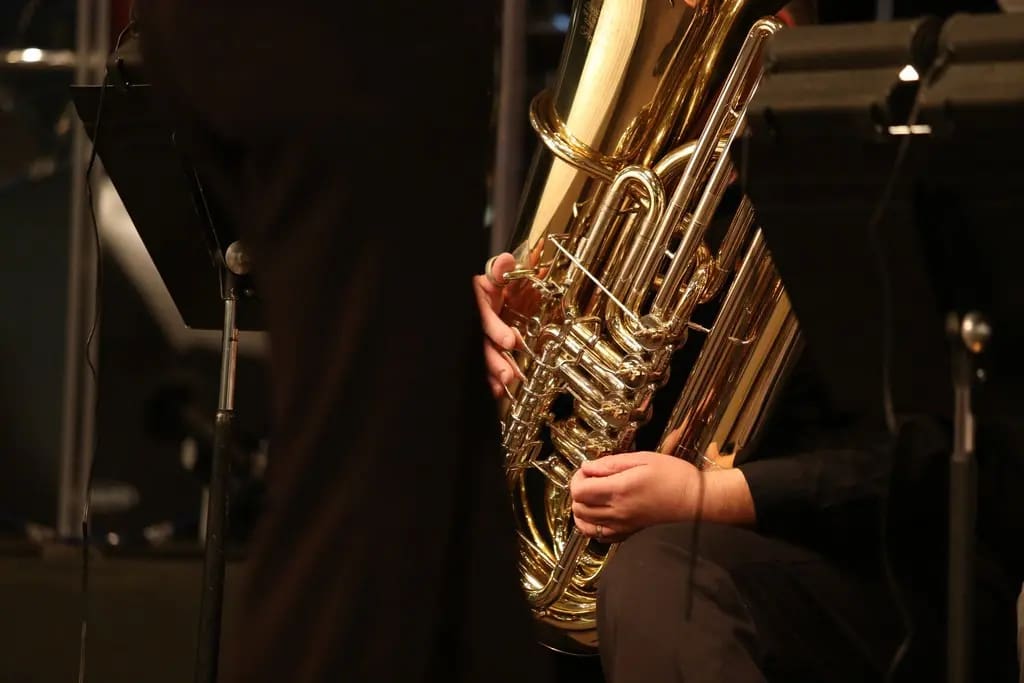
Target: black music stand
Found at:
930, 285
204, 265
971, 204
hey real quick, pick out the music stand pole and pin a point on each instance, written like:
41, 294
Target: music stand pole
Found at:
969, 338
212, 599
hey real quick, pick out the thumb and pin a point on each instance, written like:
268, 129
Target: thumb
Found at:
612, 464
499, 266
503, 263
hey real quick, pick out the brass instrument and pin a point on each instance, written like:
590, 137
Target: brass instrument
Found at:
612, 262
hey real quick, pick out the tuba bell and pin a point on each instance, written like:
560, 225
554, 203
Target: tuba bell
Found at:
613, 262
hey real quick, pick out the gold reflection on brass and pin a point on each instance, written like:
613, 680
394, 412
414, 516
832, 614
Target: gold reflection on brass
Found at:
612, 263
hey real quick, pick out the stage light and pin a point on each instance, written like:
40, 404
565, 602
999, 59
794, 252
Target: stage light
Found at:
909, 74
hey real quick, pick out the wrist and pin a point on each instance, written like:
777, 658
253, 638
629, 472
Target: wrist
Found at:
726, 498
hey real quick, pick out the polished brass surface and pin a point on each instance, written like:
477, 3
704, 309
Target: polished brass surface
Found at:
612, 263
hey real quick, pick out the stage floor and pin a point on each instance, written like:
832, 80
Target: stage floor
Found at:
144, 611
143, 614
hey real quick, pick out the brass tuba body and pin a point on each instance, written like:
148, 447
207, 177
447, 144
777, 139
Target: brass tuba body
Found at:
612, 262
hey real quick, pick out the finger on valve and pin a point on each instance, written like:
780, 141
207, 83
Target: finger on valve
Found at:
490, 297
498, 267
498, 365
497, 330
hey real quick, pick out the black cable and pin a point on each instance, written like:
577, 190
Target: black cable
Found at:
891, 421
694, 541
87, 492
96, 397
887, 332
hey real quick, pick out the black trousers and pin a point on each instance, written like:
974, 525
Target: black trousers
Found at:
760, 610
349, 143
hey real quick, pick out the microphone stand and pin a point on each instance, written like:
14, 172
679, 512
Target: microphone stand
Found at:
212, 599
969, 337
140, 152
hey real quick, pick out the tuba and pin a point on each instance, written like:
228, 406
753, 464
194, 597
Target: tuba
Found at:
614, 267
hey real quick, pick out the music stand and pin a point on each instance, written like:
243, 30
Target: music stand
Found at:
935, 276
181, 224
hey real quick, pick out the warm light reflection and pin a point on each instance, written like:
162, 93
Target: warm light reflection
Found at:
917, 129
909, 74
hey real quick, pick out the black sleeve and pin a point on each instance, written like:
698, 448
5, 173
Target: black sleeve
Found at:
826, 489
818, 477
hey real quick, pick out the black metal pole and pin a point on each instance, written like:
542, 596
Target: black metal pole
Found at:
212, 599
969, 338
512, 120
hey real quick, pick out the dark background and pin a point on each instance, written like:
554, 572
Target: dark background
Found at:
134, 360
144, 598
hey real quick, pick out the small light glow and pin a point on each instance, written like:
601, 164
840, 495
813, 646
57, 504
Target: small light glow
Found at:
909, 74
561, 22
113, 539
917, 129
32, 54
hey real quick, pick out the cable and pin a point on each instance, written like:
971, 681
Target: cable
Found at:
891, 422
694, 541
87, 492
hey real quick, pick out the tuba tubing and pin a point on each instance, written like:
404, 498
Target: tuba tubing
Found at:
612, 264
